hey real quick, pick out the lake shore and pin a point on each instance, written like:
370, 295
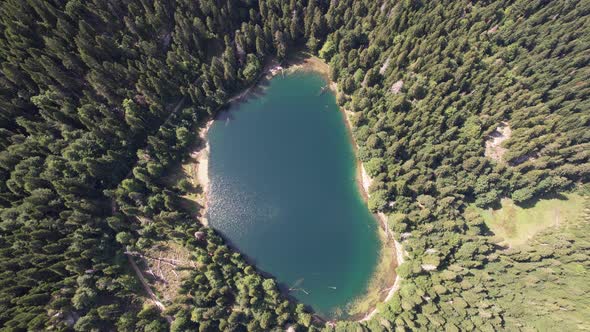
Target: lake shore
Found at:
201, 154
201, 157
364, 181
385, 279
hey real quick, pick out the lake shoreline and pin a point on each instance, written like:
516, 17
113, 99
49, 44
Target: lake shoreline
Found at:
201, 154
363, 180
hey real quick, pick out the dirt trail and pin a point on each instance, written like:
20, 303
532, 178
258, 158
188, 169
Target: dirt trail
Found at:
147, 288
136, 269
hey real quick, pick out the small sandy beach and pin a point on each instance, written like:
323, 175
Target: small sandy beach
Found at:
201, 168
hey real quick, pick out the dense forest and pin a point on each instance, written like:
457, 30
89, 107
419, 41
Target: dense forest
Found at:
99, 99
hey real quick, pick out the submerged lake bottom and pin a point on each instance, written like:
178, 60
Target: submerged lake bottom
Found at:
283, 191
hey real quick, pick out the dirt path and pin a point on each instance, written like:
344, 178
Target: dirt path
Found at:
363, 179
136, 269
147, 289
203, 178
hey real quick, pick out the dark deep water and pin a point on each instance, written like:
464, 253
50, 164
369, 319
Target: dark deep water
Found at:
283, 191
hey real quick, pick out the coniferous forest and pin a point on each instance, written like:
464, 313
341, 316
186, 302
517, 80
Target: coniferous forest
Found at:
100, 99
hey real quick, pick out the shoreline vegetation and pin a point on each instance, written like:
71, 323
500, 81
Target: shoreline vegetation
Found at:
381, 287
364, 181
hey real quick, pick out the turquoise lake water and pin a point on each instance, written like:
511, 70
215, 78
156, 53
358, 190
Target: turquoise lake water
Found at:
283, 192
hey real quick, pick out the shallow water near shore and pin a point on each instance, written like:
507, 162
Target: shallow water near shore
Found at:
283, 191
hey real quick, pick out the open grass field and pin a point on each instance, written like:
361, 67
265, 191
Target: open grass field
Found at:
515, 224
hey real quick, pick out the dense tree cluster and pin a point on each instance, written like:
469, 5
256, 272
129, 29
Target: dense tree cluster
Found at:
81, 90
99, 99
427, 82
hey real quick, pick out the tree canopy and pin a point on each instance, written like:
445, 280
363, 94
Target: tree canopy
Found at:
99, 98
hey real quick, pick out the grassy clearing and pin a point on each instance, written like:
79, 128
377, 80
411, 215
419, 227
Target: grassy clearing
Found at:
549, 274
515, 224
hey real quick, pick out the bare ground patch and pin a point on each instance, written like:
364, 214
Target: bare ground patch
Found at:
164, 266
494, 148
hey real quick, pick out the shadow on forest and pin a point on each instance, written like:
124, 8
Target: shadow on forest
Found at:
533, 201
192, 207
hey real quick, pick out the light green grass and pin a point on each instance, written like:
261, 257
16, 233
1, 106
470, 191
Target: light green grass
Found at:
516, 224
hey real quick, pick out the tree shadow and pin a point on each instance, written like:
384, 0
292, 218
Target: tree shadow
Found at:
531, 203
192, 207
